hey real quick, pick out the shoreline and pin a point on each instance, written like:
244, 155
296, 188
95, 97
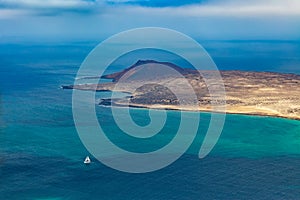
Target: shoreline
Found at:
174, 108
248, 93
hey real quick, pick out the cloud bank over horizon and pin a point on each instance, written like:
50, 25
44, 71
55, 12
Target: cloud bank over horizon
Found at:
206, 19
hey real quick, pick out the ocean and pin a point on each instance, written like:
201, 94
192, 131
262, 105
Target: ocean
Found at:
41, 155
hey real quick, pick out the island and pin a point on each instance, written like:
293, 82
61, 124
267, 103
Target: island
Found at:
247, 92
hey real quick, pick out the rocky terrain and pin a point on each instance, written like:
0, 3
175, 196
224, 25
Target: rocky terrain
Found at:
255, 93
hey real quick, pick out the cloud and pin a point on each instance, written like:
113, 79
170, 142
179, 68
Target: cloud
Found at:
155, 3
255, 19
11, 8
9, 13
45, 3
229, 8
194, 8
213, 7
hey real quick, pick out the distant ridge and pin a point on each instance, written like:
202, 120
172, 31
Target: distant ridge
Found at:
116, 76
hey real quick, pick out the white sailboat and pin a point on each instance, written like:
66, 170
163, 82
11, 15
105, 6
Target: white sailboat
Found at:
87, 160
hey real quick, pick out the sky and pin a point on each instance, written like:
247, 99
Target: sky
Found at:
88, 20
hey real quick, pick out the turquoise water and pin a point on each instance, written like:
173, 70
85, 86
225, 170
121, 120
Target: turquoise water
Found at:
41, 154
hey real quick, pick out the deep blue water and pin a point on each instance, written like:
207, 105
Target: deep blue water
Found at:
41, 154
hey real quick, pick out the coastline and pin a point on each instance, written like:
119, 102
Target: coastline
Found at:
248, 93
178, 108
